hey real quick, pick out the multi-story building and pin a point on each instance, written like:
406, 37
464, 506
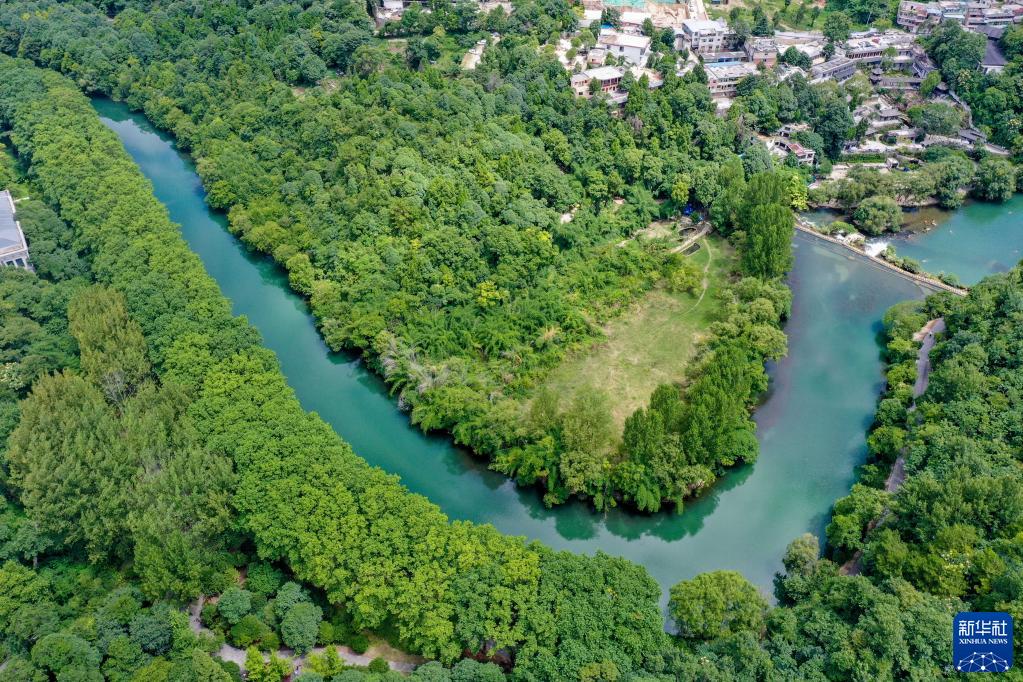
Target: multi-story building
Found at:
873, 49
13, 247
762, 51
633, 49
838, 69
920, 17
609, 77
703, 36
722, 79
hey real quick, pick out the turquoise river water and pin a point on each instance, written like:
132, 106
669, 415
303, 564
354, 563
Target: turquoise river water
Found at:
811, 425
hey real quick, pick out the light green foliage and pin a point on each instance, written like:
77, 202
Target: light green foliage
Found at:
996, 180
878, 214
716, 604
301, 494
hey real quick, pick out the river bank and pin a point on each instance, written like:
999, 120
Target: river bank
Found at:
810, 426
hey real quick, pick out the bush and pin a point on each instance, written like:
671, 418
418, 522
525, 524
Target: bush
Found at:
379, 665
270, 642
210, 615
290, 594
300, 627
248, 631
234, 604
264, 579
152, 631
359, 643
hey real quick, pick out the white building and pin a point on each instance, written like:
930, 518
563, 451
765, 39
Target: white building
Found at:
13, 247
633, 49
702, 36
722, 79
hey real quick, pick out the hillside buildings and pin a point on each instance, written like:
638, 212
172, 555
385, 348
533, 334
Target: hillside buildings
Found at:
632, 48
722, 78
920, 17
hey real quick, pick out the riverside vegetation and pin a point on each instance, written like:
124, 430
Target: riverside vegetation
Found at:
419, 208
292, 493
182, 410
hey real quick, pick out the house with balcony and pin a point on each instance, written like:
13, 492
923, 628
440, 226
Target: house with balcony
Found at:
722, 79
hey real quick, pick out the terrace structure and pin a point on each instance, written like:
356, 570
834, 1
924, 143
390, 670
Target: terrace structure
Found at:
13, 247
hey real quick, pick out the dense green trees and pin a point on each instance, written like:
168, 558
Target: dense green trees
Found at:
299, 493
420, 209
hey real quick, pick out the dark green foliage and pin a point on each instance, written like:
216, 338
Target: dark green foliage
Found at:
420, 213
302, 496
379, 665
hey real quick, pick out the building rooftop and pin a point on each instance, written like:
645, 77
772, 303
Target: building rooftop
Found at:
603, 73
11, 237
695, 25
730, 70
624, 40
993, 55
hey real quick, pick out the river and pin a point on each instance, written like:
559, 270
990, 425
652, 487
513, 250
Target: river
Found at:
811, 425
976, 240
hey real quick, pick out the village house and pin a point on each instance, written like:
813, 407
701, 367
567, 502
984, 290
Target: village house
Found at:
787, 146
633, 49
609, 77
703, 36
13, 247
839, 69
921, 17
609, 81
722, 79
762, 51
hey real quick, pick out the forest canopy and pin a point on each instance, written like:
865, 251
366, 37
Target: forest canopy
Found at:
465, 231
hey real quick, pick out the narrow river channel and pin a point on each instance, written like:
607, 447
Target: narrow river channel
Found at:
811, 426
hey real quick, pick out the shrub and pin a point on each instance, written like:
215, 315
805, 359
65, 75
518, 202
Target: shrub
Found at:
264, 579
379, 665
300, 627
234, 604
248, 631
152, 631
359, 643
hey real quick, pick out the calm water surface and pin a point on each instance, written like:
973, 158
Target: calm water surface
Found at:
811, 425
974, 241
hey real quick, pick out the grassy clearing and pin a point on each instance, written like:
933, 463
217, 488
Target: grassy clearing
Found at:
651, 343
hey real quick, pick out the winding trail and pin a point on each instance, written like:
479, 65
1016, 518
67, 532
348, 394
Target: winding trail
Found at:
927, 337
238, 656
